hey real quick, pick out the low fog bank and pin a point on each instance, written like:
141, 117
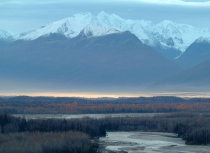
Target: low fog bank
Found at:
9, 88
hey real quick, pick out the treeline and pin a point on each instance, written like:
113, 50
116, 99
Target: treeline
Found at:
133, 100
50, 142
194, 128
11, 124
47, 105
42, 136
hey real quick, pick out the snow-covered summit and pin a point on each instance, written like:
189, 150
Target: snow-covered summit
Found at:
72, 27
203, 40
167, 33
6, 35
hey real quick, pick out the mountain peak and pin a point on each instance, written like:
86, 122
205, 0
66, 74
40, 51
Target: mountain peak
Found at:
103, 16
162, 34
103, 13
165, 23
6, 35
81, 16
203, 40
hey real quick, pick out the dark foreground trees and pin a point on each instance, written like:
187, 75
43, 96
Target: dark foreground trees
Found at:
42, 136
50, 142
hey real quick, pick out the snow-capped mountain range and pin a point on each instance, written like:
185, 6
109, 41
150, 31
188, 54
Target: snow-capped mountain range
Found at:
166, 34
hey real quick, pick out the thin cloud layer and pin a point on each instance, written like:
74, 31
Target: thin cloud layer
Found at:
161, 2
177, 2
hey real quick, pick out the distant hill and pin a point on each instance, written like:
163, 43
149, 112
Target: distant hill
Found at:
196, 53
113, 59
197, 76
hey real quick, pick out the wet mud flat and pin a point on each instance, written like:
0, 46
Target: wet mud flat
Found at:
147, 142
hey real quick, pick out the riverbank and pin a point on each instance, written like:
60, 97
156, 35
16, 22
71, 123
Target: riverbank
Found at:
147, 142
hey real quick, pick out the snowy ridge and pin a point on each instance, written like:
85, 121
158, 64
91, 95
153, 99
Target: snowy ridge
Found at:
72, 27
166, 34
203, 40
6, 35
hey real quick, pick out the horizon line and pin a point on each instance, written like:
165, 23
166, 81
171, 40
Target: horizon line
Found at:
107, 95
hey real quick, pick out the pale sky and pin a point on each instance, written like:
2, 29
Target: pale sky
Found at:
24, 15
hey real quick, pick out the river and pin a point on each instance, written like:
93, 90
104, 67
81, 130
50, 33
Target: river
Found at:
147, 142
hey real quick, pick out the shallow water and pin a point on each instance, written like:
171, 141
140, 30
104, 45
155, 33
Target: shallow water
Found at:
148, 142
70, 116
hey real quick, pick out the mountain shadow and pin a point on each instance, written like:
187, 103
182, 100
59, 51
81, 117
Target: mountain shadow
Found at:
196, 53
115, 59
